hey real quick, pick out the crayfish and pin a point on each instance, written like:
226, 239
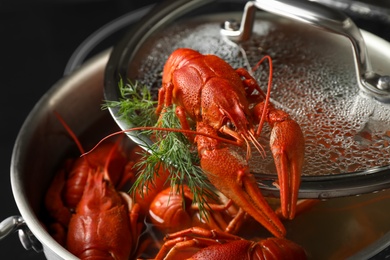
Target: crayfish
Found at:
86, 207
228, 103
169, 215
103, 220
199, 243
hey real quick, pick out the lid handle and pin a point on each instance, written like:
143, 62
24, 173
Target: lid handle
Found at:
324, 18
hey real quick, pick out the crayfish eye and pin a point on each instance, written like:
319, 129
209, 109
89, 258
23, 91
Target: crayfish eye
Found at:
230, 125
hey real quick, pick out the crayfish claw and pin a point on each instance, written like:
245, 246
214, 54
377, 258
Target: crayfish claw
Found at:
287, 146
288, 149
233, 179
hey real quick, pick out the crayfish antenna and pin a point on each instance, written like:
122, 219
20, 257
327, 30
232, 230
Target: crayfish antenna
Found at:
257, 145
69, 131
159, 129
267, 95
248, 149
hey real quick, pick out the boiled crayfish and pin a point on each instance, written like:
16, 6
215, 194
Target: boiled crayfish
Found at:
228, 103
199, 243
105, 224
172, 210
88, 214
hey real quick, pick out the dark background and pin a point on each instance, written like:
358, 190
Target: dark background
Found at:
38, 38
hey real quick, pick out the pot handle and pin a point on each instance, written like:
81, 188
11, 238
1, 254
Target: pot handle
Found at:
27, 238
324, 18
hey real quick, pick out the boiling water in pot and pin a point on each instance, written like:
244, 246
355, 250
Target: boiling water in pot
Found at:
314, 81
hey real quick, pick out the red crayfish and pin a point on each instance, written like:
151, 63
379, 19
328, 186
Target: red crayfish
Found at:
229, 103
173, 210
105, 223
88, 214
199, 243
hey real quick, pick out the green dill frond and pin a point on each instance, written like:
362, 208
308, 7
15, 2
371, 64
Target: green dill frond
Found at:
171, 150
181, 159
135, 106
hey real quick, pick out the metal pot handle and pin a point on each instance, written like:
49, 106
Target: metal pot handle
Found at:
27, 238
324, 18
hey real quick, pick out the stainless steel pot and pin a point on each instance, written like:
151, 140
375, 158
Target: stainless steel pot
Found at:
328, 231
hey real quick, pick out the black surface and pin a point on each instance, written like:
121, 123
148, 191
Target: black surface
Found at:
37, 39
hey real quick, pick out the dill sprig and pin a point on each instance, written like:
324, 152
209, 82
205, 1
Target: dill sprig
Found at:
135, 106
171, 150
181, 159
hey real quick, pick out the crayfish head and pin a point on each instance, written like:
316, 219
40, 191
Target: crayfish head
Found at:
242, 133
226, 109
241, 129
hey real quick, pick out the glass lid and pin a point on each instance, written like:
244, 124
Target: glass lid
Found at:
346, 126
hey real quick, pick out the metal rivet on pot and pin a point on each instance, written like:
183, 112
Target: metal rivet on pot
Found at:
384, 83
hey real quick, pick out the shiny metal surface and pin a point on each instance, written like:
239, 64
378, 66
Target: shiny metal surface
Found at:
10, 225
324, 18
